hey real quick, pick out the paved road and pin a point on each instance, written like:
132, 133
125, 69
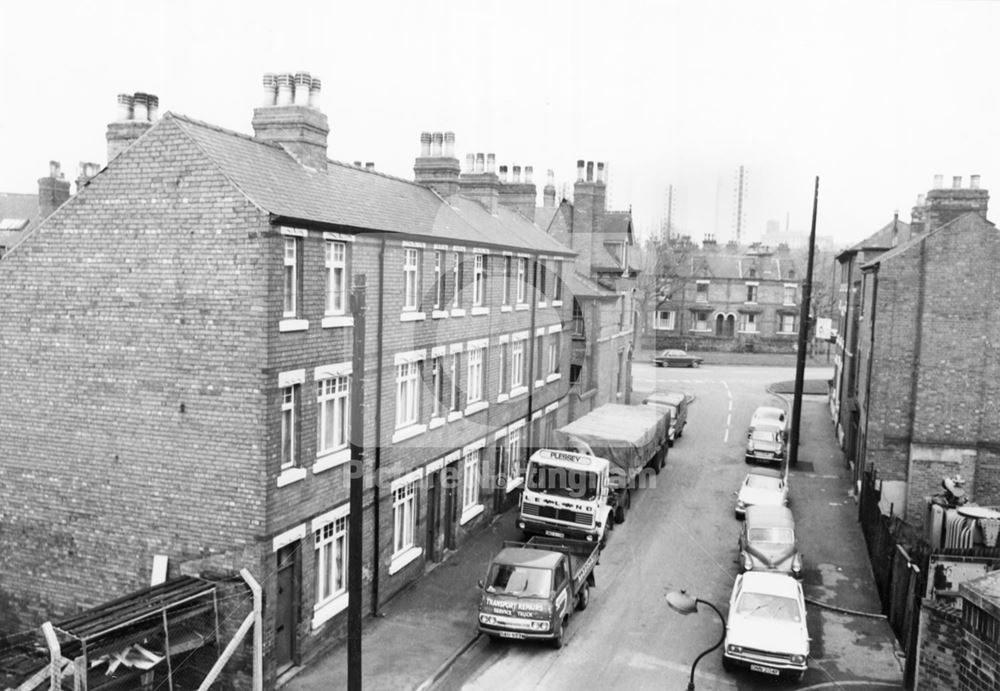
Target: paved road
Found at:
682, 534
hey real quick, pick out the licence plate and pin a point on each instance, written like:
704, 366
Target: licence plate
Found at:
520, 636
765, 670
554, 533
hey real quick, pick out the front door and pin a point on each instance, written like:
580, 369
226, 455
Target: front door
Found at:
286, 609
500, 475
451, 499
433, 507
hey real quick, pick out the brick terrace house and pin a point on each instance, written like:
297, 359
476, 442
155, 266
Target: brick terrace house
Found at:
176, 365
843, 395
602, 285
733, 300
928, 367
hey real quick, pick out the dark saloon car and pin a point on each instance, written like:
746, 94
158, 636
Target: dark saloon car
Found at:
676, 358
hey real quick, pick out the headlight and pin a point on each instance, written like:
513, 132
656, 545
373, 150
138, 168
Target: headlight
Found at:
734, 649
750, 445
747, 562
539, 625
798, 659
487, 619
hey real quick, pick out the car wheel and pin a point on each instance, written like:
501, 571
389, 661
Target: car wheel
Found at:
727, 664
695, 363
583, 599
658, 364
559, 639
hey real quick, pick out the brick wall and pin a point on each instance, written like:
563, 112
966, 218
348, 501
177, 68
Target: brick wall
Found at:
940, 646
979, 661
131, 381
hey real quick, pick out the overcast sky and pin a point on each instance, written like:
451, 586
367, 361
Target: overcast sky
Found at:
874, 97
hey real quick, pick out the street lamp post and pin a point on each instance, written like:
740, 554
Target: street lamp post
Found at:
680, 601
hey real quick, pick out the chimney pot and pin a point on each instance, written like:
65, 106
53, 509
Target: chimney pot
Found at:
449, 144
974, 182
550, 177
370, 166
270, 90
956, 182
437, 142
125, 102
590, 171
503, 173
140, 109
921, 199
315, 87
529, 173
357, 164
480, 162
286, 87
425, 144
600, 172
579, 171
303, 82
54, 169
470, 163
491, 163
517, 174
938, 182
152, 107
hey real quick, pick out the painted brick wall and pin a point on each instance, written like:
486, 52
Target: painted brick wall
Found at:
133, 338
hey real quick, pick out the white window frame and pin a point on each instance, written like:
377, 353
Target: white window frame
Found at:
748, 323
411, 279
794, 288
456, 274
479, 280
781, 323
407, 394
336, 277
670, 322
475, 366
437, 386
513, 451
504, 384
554, 353
516, 365
522, 280
753, 291
333, 413
507, 261
557, 293
705, 323
472, 462
330, 566
289, 396
404, 518
291, 278
438, 279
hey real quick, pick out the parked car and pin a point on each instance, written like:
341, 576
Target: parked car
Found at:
676, 358
677, 405
765, 443
767, 541
766, 414
762, 486
766, 629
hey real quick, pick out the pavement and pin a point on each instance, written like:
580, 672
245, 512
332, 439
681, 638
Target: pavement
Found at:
422, 630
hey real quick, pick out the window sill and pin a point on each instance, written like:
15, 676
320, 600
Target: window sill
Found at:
293, 325
506, 308
435, 422
542, 305
439, 314
290, 475
479, 311
539, 383
752, 333
701, 331
454, 415
518, 391
555, 376
521, 307
413, 316
336, 321
458, 312
331, 459
557, 303
403, 558
325, 612
514, 484
470, 513
475, 407
408, 432
663, 328
502, 397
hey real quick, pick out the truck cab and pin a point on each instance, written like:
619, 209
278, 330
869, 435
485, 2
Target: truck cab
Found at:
566, 495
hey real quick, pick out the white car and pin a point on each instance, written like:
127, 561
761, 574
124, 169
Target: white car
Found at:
766, 414
762, 486
766, 629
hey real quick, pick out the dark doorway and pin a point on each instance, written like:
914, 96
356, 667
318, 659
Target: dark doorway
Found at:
451, 489
433, 507
286, 607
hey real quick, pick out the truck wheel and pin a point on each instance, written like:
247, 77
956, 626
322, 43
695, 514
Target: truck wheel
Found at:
558, 640
583, 599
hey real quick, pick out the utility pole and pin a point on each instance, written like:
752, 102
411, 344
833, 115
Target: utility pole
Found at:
740, 187
800, 360
355, 544
670, 212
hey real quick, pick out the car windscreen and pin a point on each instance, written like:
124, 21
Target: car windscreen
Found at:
763, 482
519, 581
765, 435
562, 482
765, 606
776, 536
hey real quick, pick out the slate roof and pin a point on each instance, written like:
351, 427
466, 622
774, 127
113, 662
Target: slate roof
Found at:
738, 266
970, 218
882, 238
345, 195
617, 222
582, 286
18, 213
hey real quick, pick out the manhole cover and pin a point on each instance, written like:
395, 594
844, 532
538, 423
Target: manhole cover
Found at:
804, 467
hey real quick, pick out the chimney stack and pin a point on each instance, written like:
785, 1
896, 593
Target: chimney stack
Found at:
945, 205
437, 167
53, 190
87, 171
294, 120
549, 192
517, 194
481, 182
132, 121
